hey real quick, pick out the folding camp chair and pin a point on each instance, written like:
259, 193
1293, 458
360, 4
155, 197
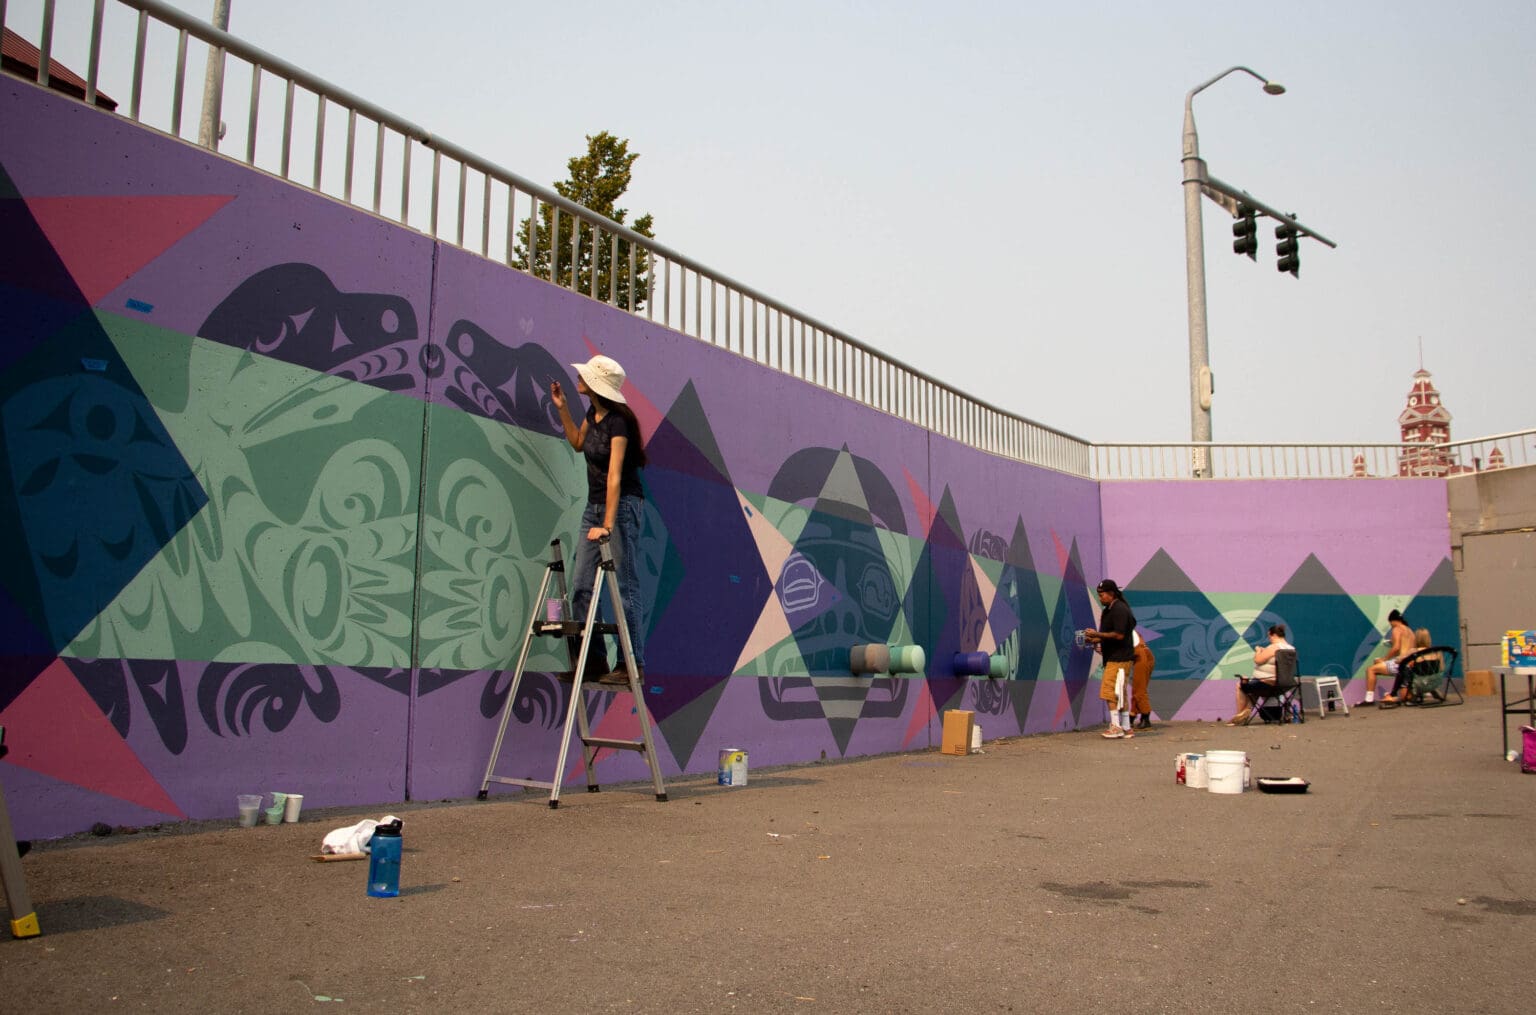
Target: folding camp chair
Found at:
1273, 702
1429, 677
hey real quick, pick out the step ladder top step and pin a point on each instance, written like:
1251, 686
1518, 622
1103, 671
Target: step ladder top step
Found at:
571, 628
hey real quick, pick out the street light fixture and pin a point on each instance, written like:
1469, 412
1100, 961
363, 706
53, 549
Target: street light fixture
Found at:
1200, 383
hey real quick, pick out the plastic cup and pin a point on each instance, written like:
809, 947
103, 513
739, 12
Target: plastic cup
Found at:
292, 806
249, 804
275, 815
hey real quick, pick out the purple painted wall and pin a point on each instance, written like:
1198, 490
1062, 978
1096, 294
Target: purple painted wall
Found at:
323, 473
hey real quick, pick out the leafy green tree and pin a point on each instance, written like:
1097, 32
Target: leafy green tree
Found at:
598, 180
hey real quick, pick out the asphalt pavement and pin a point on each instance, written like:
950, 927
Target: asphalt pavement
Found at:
1062, 872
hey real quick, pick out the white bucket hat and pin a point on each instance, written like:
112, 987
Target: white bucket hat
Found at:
604, 376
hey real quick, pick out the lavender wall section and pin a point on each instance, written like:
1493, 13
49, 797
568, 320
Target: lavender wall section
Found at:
1209, 566
325, 473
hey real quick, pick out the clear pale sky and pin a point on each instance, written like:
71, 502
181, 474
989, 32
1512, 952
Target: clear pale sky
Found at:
990, 191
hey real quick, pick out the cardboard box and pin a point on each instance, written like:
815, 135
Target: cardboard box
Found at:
1482, 682
1519, 648
957, 732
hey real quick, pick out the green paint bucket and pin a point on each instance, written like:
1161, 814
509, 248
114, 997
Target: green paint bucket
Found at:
907, 659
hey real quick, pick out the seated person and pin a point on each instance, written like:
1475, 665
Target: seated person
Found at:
1402, 687
1386, 666
1263, 679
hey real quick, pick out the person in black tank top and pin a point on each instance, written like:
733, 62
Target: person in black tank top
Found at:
609, 439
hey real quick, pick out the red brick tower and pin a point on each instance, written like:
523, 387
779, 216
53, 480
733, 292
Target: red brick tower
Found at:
1424, 421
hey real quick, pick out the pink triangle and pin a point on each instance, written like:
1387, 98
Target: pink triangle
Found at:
103, 241
922, 715
59, 731
926, 512
1063, 553
1064, 705
620, 722
645, 411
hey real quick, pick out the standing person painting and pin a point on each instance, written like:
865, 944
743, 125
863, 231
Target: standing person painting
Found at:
1141, 676
609, 438
1114, 638
1386, 666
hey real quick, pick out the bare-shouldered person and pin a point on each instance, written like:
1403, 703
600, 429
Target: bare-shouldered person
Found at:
1402, 645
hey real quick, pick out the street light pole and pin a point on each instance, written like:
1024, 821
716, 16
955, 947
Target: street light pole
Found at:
1200, 385
208, 132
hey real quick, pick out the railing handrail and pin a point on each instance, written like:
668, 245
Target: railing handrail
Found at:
1511, 435
220, 39
1266, 444
1173, 460
824, 355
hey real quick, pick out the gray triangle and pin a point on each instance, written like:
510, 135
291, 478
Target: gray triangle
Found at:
1161, 574
842, 699
687, 415
1018, 548
842, 487
683, 728
1312, 579
1442, 582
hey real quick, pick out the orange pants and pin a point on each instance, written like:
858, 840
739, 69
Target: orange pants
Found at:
1141, 672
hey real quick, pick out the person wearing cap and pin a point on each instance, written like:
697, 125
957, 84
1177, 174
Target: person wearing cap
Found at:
610, 440
1402, 644
1115, 639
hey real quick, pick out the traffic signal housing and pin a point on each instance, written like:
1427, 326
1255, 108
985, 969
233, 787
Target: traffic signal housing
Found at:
1245, 232
1288, 250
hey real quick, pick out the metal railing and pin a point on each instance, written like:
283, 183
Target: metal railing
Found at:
337, 143
1314, 461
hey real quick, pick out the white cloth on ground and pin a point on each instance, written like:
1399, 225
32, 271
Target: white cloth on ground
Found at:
353, 838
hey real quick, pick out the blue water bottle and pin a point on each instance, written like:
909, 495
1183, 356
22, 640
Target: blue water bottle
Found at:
384, 861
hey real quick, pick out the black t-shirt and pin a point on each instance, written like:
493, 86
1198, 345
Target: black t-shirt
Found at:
596, 448
1118, 618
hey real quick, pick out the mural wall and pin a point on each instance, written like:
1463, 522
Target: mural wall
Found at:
1208, 567
278, 482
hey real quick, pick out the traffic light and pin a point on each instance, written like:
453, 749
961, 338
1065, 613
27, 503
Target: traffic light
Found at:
1245, 230
1288, 249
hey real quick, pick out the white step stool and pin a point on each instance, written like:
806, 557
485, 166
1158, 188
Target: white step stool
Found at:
1327, 690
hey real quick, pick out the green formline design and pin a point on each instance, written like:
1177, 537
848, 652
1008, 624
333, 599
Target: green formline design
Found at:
305, 551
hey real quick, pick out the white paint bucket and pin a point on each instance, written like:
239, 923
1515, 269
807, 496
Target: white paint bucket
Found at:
733, 767
1226, 771
1189, 770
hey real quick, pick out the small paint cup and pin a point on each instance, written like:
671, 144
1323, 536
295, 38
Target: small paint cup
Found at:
250, 807
292, 806
275, 815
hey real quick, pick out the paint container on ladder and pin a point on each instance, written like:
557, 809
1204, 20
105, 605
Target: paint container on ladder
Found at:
733, 767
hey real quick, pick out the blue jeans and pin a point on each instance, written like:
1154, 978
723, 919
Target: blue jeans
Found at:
625, 546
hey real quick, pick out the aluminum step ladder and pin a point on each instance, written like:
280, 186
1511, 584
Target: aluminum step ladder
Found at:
12, 880
576, 715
